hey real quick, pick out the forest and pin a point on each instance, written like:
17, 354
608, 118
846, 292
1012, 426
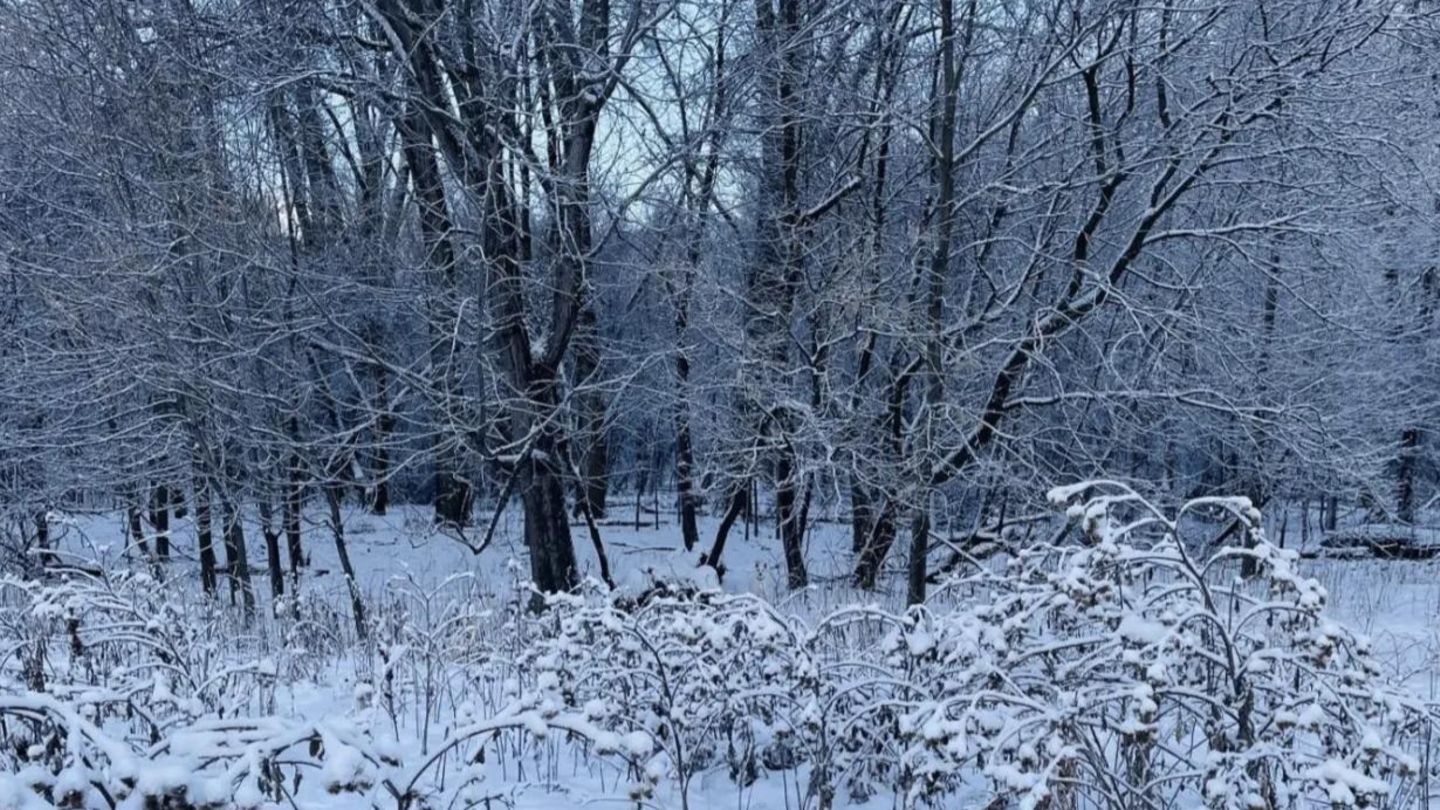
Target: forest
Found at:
1000, 404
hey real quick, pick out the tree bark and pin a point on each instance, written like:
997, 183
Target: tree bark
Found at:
160, 520
876, 547
42, 535
291, 516
1405, 475
237, 559
272, 551
684, 478
452, 494
204, 535
792, 529
333, 495
738, 503
776, 268
594, 484
137, 530
943, 133
547, 528
384, 429
919, 550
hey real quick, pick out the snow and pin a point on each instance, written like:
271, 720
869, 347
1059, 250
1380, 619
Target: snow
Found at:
1383, 539
592, 703
1140, 630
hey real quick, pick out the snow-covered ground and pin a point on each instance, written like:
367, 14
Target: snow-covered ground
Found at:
451, 647
407, 572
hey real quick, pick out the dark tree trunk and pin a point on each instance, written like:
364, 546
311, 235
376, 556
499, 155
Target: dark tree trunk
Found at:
160, 519
919, 551
738, 504
680, 295
777, 266
791, 526
384, 429
1405, 475
876, 547
594, 486
599, 545
477, 156
452, 493
272, 551
204, 536
547, 527
859, 515
42, 537
342, 551
137, 530
883, 529
237, 558
684, 475
943, 132
862, 500
291, 518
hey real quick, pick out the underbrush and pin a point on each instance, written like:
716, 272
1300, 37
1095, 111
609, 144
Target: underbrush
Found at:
1117, 669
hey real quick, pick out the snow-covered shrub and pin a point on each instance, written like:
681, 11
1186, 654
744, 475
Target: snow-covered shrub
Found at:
127, 653
707, 680
246, 763
1120, 671
1130, 664
17, 541
120, 693
114, 665
436, 651
312, 630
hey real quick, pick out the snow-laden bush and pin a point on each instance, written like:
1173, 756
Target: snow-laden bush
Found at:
1117, 669
1132, 664
1123, 671
708, 680
134, 651
117, 692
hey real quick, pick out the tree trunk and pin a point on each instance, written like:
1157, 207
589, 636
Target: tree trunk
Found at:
943, 132
876, 547
919, 551
160, 519
680, 295
684, 475
137, 530
862, 500
791, 526
859, 515
738, 503
272, 551
882, 531
237, 558
547, 527
594, 487
477, 155
384, 429
776, 268
342, 551
42, 537
598, 544
1405, 475
204, 536
291, 518
452, 493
